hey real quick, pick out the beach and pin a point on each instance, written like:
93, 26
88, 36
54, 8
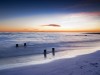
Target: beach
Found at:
75, 54
82, 63
49, 37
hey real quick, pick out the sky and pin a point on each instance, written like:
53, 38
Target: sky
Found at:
49, 15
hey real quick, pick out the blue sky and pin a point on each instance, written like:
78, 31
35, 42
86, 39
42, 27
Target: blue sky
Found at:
13, 10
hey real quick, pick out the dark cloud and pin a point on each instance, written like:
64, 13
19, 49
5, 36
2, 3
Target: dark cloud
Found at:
52, 25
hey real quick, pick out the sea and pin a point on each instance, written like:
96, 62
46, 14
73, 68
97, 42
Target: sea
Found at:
37, 42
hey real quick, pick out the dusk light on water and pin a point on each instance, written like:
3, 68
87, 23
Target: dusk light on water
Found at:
49, 37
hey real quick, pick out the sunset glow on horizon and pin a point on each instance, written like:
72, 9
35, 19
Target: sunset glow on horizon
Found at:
66, 22
53, 21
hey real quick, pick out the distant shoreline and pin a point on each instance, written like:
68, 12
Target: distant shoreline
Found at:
93, 33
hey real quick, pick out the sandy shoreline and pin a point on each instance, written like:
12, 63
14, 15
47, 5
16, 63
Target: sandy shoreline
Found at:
74, 62
39, 59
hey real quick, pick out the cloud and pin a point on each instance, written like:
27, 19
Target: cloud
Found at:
52, 25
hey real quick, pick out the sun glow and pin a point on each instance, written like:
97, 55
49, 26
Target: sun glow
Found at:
66, 22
